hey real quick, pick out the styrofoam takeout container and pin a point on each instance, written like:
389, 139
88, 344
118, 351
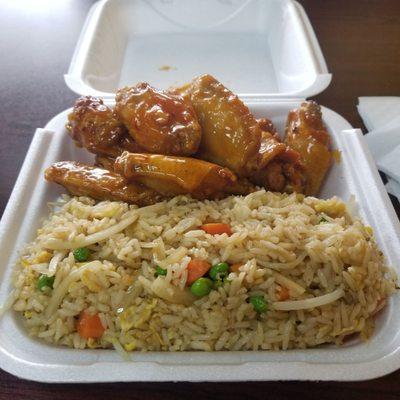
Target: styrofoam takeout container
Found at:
267, 52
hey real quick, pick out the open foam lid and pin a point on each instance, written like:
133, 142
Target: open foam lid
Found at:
260, 49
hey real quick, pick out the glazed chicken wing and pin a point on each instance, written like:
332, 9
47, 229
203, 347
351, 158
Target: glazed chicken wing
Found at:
266, 125
172, 176
230, 134
93, 125
232, 137
105, 162
306, 134
159, 122
233, 151
82, 180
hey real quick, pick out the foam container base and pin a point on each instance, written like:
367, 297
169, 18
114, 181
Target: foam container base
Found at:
32, 359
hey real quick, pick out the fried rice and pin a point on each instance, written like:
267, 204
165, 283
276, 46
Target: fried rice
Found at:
328, 261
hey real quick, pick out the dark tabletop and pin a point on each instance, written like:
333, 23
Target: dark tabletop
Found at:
361, 43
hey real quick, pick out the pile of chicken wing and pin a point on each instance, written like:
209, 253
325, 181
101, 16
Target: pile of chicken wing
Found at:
199, 140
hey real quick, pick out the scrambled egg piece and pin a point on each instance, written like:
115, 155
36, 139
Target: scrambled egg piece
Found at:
104, 209
135, 317
93, 344
130, 346
369, 231
89, 280
332, 207
42, 257
156, 335
127, 280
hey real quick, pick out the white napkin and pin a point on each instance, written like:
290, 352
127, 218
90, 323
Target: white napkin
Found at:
381, 116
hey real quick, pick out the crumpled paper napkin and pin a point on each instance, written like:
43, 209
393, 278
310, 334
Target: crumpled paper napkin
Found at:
381, 116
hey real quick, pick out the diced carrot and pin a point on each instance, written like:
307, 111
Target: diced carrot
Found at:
217, 228
90, 326
235, 267
282, 293
196, 269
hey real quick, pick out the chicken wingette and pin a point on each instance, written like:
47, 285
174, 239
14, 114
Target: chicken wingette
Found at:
230, 134
83, 180
172, 176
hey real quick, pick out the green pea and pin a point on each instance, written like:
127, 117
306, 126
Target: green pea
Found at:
201, 287
81, 254
160, 271
219, 271
259, 304
44, 282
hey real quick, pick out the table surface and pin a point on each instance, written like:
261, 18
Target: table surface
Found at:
361, 43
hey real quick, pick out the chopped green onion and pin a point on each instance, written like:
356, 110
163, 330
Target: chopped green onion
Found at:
218, 283
160, 271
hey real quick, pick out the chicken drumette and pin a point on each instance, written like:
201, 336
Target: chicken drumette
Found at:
306, 134
159, 122
94, 126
